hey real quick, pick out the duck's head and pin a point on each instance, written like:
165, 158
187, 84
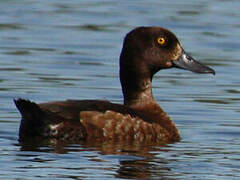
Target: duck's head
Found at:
155, 48
146, 50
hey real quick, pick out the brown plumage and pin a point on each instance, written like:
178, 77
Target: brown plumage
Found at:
146, 50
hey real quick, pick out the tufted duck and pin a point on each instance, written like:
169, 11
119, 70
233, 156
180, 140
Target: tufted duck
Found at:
146, 50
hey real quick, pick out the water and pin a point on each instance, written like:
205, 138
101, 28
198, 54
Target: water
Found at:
56, 50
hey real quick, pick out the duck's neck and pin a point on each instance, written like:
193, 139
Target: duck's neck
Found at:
136, 87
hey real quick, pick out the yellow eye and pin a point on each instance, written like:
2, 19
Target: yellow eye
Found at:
161, 40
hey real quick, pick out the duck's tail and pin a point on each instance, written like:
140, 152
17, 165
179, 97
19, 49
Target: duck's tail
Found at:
31, 123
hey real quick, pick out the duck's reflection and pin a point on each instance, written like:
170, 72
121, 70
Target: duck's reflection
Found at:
135, 160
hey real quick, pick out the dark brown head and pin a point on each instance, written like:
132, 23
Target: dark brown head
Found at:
156, 48
147, 50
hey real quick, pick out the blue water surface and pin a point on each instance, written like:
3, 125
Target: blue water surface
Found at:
57, 50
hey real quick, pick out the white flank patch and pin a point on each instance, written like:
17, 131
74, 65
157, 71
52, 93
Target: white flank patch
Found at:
54, 129
54, 126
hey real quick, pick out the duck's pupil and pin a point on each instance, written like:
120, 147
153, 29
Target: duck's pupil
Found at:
161, 41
